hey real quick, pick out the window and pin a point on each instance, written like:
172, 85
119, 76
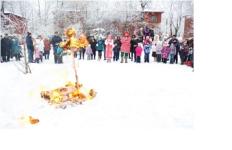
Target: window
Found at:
153, 19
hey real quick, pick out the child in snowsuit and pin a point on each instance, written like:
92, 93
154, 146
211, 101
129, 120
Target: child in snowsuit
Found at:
165, 52
158, 51
59, 53
89, 52
172, 53
138, 51
100, 47
37, 51
109, 42
154, 44
147, 49
47, 48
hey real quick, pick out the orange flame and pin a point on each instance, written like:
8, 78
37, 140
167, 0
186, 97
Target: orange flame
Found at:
68, 93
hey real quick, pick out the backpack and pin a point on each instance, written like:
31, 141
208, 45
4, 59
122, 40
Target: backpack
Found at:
59, 51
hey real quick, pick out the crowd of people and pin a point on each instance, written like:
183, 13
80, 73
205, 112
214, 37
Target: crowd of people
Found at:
111, 48
10, 48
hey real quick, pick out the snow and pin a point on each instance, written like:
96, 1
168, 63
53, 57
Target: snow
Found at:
153, 95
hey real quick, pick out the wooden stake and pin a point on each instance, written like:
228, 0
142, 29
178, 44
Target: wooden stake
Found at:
27, 67
75, 70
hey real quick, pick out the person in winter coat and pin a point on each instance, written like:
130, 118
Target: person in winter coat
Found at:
59, 53
89, 52
116, 49
176, 42
125, 47
138, 51
1, 51
30, 47
158, 51
93, 47
37, 53
47, 48
165, 52
134, 43
147, 49
16, 48
172, 53
154, 44
109, 43
100, 47
40, 43
83, 44
153, 48
5, 48
56, 39
146, 31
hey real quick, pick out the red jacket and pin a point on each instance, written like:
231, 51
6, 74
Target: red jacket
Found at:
125, 47
47, 45
138, 51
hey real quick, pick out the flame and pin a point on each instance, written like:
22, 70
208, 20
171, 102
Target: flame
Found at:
29, 120
72, 42
68, 93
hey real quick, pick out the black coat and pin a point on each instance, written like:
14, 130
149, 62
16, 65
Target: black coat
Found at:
29, 42
56, 40
117, 45
175, 42
134, 43
93, 44
5, 46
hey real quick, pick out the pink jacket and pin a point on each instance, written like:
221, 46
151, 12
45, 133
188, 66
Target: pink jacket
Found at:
165, 52
125, 47
109, 47
37, 52
138, 51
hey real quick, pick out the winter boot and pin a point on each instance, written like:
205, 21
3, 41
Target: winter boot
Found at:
126, 60
122, 60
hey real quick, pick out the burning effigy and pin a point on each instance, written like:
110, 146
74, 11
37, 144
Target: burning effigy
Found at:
67, 94
71, 92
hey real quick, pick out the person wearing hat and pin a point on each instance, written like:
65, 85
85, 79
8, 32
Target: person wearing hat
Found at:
134, 43
109, 43
176, 43
5, 48
125, 47
30, 47
165, 51
56, 39
116, 49
100, 47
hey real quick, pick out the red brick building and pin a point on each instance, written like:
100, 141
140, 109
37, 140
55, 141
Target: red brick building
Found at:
12, 23
153, 18
188, 27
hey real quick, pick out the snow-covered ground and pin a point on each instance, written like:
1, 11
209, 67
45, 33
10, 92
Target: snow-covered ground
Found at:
153, 95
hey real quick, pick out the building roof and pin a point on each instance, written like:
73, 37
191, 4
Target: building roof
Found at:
15, 14
150, 10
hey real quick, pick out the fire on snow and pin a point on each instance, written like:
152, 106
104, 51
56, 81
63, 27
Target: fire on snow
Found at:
69, 93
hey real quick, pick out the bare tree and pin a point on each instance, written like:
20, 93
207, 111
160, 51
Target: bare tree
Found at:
179, 16
175, 16
144, 4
